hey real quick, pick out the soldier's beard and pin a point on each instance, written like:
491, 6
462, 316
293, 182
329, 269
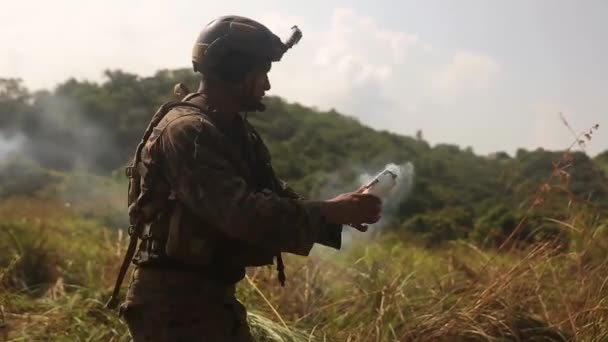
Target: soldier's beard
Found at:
250, 102
253, 105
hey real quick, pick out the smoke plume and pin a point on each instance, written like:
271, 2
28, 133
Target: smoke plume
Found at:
390, 204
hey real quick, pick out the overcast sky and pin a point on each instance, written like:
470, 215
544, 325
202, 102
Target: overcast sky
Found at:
488, 74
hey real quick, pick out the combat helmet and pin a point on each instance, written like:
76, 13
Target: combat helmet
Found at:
234, 37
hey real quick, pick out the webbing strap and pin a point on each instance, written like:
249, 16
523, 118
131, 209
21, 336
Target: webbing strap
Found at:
134, 232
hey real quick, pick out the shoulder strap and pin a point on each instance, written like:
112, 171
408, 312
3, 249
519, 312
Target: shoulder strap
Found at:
136, 226
131, 170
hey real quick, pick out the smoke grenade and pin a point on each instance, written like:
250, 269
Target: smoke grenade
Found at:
382, 184
393, 185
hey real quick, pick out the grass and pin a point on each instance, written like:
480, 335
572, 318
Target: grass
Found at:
58, 262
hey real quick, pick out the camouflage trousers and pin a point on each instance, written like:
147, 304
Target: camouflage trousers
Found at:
177, 306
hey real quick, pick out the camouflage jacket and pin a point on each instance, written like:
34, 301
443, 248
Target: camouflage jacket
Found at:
225, 207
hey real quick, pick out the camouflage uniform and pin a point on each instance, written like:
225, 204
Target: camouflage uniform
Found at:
224, 210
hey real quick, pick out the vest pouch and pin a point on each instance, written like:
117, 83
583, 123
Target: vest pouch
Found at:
188, 240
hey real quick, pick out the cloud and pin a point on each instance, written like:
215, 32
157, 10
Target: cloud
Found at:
60, 39
352, 64
355, 49
467, 71
389, 79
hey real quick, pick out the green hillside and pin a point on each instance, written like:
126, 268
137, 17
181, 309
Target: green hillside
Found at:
95, 127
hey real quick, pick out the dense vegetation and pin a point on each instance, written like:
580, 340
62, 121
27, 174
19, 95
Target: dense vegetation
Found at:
442, 270
95, 128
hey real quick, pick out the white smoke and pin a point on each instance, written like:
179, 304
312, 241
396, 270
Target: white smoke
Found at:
390, 203
10, 145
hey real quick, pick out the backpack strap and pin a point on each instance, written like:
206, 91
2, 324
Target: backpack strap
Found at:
136, 223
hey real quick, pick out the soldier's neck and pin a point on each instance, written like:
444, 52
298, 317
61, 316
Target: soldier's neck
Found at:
223, 108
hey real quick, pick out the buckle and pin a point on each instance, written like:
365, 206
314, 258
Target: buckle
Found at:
131, 230
129, 171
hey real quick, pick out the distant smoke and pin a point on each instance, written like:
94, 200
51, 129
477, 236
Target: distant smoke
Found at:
10, 145
59, 135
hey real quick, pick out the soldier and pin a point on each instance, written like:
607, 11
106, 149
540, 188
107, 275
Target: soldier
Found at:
205, 202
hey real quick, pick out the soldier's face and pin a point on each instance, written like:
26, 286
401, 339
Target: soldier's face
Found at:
255, 86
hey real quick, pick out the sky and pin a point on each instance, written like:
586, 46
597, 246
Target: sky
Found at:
491, 75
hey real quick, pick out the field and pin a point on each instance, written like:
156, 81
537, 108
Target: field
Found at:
58, 265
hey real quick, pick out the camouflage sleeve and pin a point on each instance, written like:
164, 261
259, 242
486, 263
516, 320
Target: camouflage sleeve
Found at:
330, 235
207, 182
286, 191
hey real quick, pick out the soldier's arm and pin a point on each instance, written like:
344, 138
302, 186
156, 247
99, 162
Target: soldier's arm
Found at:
206, 181
330, 234
286, 191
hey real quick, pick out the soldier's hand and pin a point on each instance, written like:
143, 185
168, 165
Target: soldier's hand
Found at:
361, 189
352, 208
359, 226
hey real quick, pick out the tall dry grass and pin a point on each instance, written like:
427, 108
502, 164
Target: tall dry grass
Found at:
57, 269
391, 291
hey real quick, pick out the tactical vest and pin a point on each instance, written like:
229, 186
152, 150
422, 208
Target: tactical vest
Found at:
169, 235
